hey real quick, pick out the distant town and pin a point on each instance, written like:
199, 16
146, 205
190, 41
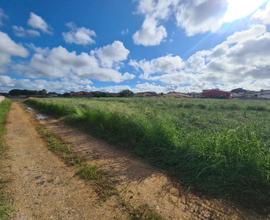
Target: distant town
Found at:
239, 93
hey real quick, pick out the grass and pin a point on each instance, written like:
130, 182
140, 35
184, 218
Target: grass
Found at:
5, 207
144, 212
104, 186
218, 147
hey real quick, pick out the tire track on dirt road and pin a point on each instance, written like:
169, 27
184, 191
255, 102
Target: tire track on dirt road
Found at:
42, 186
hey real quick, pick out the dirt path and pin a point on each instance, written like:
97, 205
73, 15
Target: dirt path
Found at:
43, 187
140, 184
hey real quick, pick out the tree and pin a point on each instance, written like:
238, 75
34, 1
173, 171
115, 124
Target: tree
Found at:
126, 93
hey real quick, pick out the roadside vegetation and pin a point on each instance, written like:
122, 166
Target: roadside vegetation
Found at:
5, 208
103, 183
217, 147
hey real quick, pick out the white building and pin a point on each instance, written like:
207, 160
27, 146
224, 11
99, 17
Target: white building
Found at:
264, 94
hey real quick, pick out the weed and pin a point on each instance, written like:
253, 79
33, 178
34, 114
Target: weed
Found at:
5, 204
144, 213
103, 184
219, 147
89, 172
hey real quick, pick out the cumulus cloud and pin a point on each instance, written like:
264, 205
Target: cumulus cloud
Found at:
150, 87
22, 32
61, 85
242, 60
159, 66
9, 48
193, 16
112, 54
58, 62
150, 34
37, 22
67, 84
6, 81
79, 35
200, 16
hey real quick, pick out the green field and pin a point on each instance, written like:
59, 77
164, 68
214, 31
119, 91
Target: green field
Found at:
217, 147
4, 200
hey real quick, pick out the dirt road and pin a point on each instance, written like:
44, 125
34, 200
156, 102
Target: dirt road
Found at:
42, 186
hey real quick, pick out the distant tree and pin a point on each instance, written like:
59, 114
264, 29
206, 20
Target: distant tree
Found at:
24, 92
42, 92
126, 93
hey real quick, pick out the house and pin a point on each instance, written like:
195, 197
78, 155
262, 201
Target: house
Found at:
264, 94
238, 93
177, 95
195, 94
146, 94
216, 93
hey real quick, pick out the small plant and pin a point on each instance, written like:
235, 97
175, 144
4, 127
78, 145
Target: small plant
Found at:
144, 213
89, 172
103, 184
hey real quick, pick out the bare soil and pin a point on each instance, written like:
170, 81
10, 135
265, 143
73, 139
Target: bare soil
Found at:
43, 187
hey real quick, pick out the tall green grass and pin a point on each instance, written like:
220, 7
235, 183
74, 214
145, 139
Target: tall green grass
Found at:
220, 148
4, 200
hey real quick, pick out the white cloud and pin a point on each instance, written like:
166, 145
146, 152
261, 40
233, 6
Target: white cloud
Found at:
263, 15
6, 81
150, 34
58, 62
243, 60
159, 66
200, 16
79, 35
112, 54
193, 16
62, 85
3, 16
22, 32
9, 48
39, 23
150, 87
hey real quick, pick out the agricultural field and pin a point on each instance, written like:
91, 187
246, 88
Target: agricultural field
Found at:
220, 148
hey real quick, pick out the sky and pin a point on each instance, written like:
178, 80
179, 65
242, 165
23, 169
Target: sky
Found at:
141, 45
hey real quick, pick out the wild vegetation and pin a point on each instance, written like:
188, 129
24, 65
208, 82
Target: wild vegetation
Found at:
104, 184
4, 198
217, 147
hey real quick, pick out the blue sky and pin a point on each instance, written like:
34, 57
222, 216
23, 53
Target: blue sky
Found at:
143, 45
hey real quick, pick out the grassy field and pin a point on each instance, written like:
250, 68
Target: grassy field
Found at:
4, 200
217, 147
